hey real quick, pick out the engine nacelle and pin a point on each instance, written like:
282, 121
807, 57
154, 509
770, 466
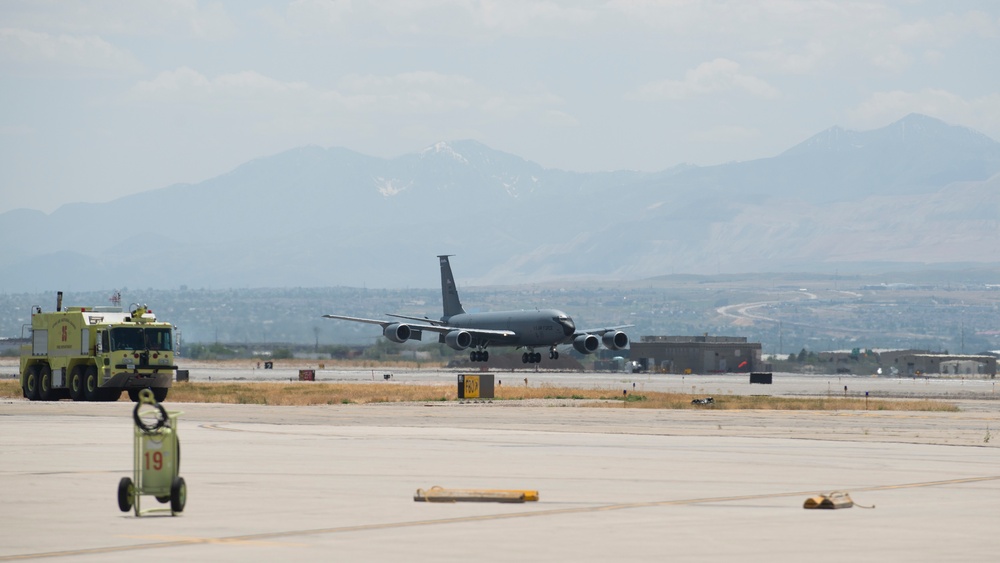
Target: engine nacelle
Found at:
458, 339
586, 343
397, 332
615, 340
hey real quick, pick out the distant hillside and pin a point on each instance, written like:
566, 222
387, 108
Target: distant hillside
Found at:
918, 191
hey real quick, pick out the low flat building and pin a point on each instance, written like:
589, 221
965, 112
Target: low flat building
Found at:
917, 364
697, 354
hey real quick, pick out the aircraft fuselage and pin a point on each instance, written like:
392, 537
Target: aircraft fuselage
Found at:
545, 327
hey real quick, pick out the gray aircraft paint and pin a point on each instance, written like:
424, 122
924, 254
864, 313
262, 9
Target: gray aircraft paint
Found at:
528, 329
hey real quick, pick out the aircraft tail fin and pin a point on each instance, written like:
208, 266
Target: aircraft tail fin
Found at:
449, 293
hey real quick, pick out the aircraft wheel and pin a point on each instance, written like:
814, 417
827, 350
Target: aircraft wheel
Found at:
178, 495
126, 490
76, 384
30, 386
472, 357
91, 391
524, 358
537, 357
45, 392
555, 354
486, 356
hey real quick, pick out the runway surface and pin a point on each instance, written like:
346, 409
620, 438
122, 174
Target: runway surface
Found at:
337, 482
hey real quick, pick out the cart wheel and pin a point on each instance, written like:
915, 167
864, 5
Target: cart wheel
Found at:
126, 490
178, 495
163, 500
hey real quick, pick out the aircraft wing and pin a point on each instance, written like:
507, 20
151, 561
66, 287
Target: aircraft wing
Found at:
476, 332
600, 331
438, 328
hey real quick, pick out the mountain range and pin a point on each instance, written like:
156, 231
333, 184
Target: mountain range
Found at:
916, 192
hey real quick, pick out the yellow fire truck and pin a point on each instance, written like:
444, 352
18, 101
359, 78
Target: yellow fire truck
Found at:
95, 353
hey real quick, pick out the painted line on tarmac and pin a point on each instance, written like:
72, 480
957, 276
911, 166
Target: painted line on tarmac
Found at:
267, 538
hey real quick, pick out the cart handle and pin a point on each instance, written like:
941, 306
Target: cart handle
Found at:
146, 398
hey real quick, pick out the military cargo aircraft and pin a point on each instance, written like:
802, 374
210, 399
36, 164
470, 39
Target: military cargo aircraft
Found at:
539, 328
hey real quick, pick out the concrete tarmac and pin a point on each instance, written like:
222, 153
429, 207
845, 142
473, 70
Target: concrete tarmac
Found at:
337, 482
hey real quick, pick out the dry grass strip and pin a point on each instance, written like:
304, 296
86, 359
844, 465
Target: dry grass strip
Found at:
313, 393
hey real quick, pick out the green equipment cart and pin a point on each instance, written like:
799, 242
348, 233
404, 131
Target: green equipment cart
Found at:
157, 459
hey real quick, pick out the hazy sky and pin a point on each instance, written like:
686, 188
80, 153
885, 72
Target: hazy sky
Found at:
100, 99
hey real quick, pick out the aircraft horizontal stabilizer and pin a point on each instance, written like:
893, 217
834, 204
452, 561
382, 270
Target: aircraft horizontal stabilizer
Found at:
383, 323
421, 319
602, 330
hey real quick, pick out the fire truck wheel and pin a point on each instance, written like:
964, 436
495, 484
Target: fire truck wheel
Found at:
45, 392
90, 389
126, 490
76, 384
110, 395
160, 394
178, 495
30, 388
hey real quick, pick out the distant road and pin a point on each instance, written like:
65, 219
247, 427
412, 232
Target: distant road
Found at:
742, 311
743, 314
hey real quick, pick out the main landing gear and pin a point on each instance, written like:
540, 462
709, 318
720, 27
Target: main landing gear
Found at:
532, 357
479, 356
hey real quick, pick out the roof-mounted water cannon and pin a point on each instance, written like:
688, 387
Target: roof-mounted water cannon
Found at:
141, 313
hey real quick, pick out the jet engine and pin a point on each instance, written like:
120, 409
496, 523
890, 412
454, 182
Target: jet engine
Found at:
586, 343
615, 340
458, 339
397, 332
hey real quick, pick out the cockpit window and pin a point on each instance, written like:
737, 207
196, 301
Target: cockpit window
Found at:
567, 323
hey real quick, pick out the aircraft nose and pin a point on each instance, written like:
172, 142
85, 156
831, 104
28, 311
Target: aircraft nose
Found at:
569, 328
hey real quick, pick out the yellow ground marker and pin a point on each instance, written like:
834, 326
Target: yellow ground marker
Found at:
440, 494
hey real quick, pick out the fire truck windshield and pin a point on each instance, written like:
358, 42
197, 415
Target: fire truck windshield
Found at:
133, 338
